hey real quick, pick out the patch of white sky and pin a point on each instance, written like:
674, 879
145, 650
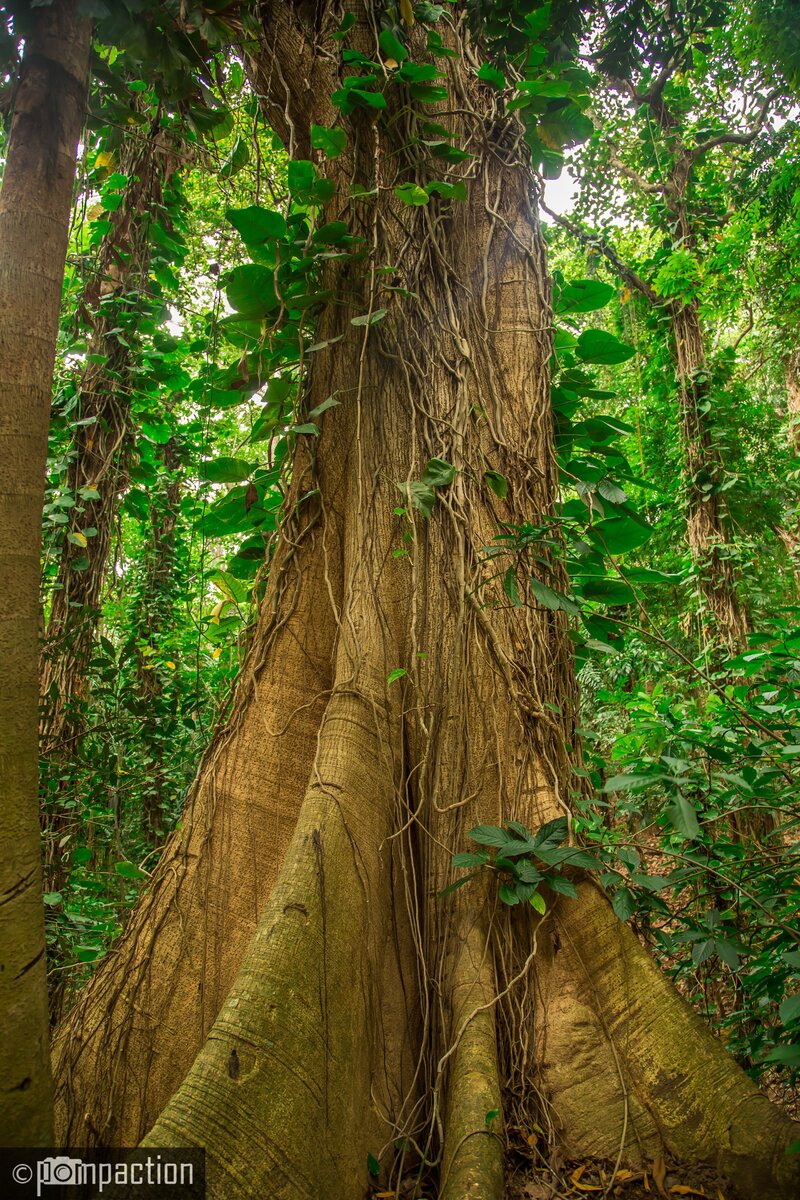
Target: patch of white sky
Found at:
560, 195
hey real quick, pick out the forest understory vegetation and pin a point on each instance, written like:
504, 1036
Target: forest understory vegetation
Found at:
400, 576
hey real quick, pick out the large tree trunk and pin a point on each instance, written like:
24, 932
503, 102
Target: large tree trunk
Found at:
390, 1021
724, 619
35, 204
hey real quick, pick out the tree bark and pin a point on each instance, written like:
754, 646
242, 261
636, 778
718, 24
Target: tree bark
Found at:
391, 1021
35, 204
723, 617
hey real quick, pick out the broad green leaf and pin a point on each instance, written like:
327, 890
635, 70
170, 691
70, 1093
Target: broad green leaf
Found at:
251, 290
787, 1056
412, 194
369, 318
129, 870
597, 346
508, 894
470, 860
537, 901
623, 903
256, 225
491, 75
497, 482
237, 159
489, 835
226, 470
684, 818
629, 783
330, 141
583, 295
438, 473
391, 46
789, 1009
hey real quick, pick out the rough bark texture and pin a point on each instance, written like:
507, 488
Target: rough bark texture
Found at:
35, 206
367, 1009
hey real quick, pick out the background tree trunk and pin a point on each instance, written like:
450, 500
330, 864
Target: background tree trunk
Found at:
35, 204
723, 618
104, 438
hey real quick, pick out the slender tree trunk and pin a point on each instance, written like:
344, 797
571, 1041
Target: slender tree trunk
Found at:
723, 617
35, 204
103, 439
367, 1008
153, 619
790, 533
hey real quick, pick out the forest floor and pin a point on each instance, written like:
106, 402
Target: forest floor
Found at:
568, 1181
560, 1180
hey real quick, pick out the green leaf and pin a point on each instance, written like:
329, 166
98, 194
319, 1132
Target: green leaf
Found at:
251, 290
787, 1056
373, 1166
129, 870
420, 495
226, 470
537, 901
553, 833
256, 225
52, 898
237, 159
448, 191
470, 860
511, 587
491, 1115
412, 194
369, 318
629, 783
391, 46
497, 482
552, 600
702, 951
347, 23
451, 154
508, 894
790, 1009
331, 402
684, 818
597, 346
438, 473
397, 673
565, 887
457, 883
491, 75
81, 855
583, 295
489, 835
623, 903
619, 534
330, 141
332, 233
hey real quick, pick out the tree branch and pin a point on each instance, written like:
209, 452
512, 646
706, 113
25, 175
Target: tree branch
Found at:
623, 270
734, 139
